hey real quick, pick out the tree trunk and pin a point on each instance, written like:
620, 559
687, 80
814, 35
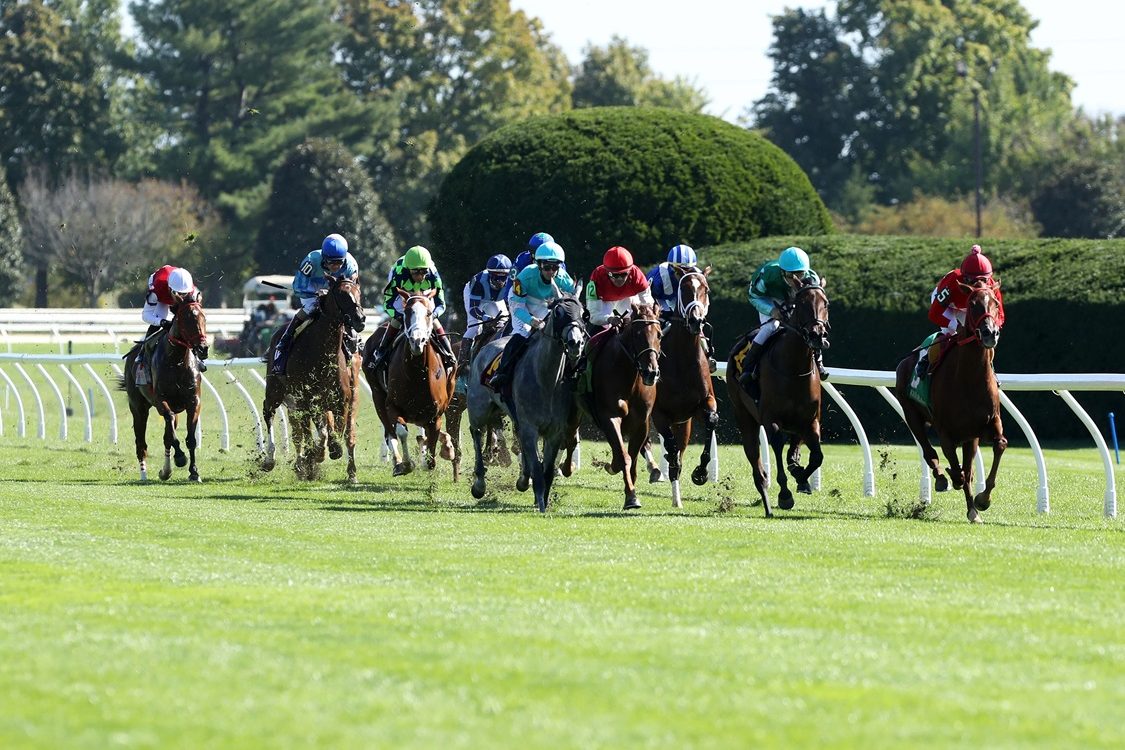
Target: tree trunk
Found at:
41, 287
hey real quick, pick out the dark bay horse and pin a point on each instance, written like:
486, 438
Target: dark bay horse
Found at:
173, 386
790, 395
965, 400
495, 317
685, 389
543, 398
413, 387
623, 382
320, 387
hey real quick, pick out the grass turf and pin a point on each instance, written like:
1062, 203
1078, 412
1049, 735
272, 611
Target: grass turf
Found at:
253, 610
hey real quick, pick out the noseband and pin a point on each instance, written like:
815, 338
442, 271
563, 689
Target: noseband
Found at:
684, 311
197, 340
815, 327
636, 356
975, 323
346, 318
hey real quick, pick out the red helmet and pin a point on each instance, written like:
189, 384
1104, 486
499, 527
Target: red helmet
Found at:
976, 265
617, 259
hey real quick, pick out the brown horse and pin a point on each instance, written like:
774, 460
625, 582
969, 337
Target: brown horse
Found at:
685, 388
413, 385
320, 387
965, 400
490, 328
623, 390
790, 395
172, 371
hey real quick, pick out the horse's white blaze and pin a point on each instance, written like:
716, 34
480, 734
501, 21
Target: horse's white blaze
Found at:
421, 325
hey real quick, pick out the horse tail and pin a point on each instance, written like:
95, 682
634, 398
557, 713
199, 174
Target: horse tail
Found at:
121, 383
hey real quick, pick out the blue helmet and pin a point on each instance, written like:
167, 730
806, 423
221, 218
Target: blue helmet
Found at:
538, 239
334, 247
499, 263
550, 251
682, 255
793, 260
523, 260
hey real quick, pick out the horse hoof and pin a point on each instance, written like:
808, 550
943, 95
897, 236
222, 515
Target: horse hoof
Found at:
164, 476
699, 476
352, 479
477, 490
402, 470
982, 502
522, 484
975, 518
942, 484
268, 464
655, 475
195, 478
785, 502
334, 452
804, 488
181, 460
631, 504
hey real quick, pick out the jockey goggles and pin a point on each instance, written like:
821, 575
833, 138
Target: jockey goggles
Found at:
618, 275
548, 264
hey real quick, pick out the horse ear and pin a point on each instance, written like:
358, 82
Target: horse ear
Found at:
995, 282
823, 282
402, 292
965, 287
430, 293
707, 271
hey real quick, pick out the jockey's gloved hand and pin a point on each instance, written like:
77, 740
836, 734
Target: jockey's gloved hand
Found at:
536, 324
165, 324
321, 292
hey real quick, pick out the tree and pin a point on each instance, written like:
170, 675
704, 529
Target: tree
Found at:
619, 75
99, 234
878, 86
236, 86
12, 280
1084, 197
455, 70
317, 190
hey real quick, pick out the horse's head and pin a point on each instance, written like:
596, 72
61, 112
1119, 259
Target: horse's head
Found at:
809, 317
693, 299
342, 303
493, 316
641, 339
189, 328
981, 313
568, 326
418, 318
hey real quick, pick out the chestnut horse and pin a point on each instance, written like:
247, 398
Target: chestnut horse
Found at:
623, 382
790, 395
965, 400
320, 386
413, 385
685, 388
173, 386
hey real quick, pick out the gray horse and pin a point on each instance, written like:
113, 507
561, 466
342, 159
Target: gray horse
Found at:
542, 398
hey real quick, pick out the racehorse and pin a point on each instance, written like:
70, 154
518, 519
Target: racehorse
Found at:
965, 400
413, 385
494, 318
623, 379
789, 403
172, 387
685, 388
542, 398
320, 386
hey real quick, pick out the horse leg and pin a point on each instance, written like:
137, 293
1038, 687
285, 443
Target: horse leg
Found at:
335, 450
192, 424
984, 499
638, 436
654, 473
748, 427
403, 464
917, 424
479, 469
550, 457
956, 471
320, 431
529, 439
711, 420
140, 409
777, 442
448, 449
676, 443
170, 441
275, 392
968, 452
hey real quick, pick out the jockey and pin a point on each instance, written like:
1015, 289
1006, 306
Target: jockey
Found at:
772, 287
614, 287
314, 274
413, 272
948, 301
524, 259
531, 291
486, 286
167, 287
664, 282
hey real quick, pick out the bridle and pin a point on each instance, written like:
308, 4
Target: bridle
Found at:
815, 331
637, 356
354, 318
974, 320
197, 341
684, 311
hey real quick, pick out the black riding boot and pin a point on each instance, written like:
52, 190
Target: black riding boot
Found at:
281, 351
512, 351
445, 351
750, 365
350, 344
379, 355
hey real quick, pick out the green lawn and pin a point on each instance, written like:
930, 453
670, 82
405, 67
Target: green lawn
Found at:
254, 611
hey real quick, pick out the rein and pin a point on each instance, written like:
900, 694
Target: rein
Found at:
180, 340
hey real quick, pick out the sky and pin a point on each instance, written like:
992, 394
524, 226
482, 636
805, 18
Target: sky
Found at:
721, 44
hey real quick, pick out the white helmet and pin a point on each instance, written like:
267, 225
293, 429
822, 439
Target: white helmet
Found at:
179, 281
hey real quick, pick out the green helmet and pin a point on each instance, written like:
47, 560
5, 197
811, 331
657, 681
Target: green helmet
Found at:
417, 257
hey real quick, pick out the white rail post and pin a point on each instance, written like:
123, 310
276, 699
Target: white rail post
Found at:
63, 432
924, 487
1043, 498
1110, 505
861, 434
253, 409
42, 432
89, 434
108, 400
21, 429
224, 436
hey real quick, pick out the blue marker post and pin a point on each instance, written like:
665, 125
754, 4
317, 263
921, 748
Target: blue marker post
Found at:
1113, 434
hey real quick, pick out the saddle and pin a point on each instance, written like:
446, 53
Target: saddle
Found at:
490, 370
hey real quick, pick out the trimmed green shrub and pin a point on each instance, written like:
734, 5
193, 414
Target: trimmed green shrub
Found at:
644, 178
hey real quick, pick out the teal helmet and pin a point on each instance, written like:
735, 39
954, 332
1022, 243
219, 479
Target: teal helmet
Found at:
794, 260
550, 251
